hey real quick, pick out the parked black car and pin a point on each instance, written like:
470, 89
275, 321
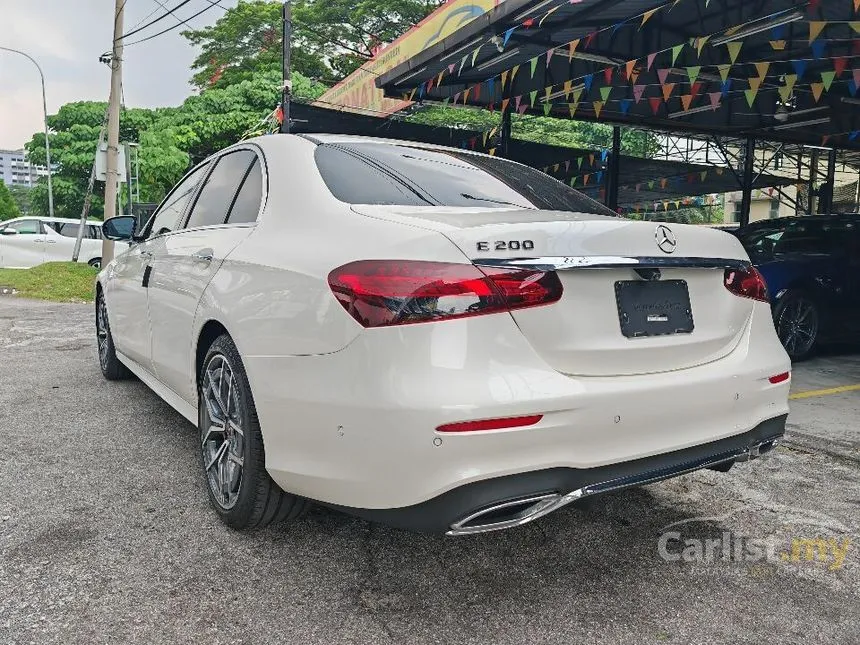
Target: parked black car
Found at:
812, 269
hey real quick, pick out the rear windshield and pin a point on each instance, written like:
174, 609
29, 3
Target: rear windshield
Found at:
807, 236
389, 174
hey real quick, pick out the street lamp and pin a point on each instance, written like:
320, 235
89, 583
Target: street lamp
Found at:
45, 112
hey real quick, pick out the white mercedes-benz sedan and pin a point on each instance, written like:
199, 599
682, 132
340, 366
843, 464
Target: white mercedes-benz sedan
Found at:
434, 339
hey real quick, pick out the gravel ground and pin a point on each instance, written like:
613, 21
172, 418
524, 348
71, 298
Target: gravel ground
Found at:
106, 537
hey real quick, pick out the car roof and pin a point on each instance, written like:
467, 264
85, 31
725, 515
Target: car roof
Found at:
62, 220
330, 138
770, 223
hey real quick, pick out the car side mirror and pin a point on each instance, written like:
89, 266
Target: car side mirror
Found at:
9, 231
120, 229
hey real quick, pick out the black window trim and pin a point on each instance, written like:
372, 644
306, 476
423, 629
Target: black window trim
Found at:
217, 157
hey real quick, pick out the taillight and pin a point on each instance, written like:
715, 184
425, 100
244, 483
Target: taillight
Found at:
747, 283
490, 424
379, 293
780, 378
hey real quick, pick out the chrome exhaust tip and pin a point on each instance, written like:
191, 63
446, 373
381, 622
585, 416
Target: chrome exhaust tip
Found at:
506, 515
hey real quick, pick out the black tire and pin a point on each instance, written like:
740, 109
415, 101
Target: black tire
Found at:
112, 369
95, 263
249, 499
797, 319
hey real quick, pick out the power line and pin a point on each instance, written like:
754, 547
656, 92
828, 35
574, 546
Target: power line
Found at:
159, 19
183, 22
151, 14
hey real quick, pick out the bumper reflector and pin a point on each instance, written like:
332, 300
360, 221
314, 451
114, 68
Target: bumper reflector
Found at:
780, 378
490, 424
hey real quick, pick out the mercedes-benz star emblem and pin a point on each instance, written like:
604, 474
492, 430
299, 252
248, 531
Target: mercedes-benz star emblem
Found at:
666, 240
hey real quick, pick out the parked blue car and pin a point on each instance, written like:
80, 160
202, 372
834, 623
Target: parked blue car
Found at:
812, 269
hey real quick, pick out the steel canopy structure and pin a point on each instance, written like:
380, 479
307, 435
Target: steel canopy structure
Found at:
731, 71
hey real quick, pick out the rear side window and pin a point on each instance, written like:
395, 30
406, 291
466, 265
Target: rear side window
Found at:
27, 227
247, 205
220, 189
378, 173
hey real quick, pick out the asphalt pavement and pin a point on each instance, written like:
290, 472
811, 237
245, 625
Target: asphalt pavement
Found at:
106, 536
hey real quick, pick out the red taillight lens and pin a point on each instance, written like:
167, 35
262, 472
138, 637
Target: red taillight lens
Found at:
490, 424
780, 378
379, 293
747, 283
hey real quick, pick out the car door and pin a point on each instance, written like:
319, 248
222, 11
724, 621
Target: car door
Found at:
23, 243
126, 289
59, 246
183, 266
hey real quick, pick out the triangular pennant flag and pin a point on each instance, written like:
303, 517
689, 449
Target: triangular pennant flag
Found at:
726, 86
855, 25
724, 71
647, 16
605, 92
651, 184
475, 54
514, 72
778, 45
456, 98
466, 95
817, 90
625, 105
533, 97
634, 76
572, 45
517, 101
785, 93
607, 74
590, 160
686, 101
477, 94
818, 48
693, 73
700, 42
547, 93
755, 83
655, 105
572, 107
439, 79
508, 36
577, 94
533, 62
815, 28
827, 79
579, 162
522, 108
567, 166
549, 53
762, 69
491, 88
790, 80
491, 152
651, 58
547, 108
590, 39
663, 182
486, 134
505, 103
598, 106
715, 99
639, 90
734, 48
573, 181
587, 81
585, 179
856, 74
695, 88
856, 133
504, 78
663, 74
462, 64
452, 67
676, 51
667, 90
799, 67
631, 65
839, 65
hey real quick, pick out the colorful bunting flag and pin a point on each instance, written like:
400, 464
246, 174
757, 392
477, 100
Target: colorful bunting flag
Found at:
549, 53
817, 90
662, 75
572, 45
799, 67
734, 48
686, 101
655, 104
676, 51
639, 90
724, 71
533, 97
693, 73
651, 58
647, 16
508, 36
827, 79
815, 28
607, 74
598, 106
762, 69
667, 90
605, 92
533, 62
715, 99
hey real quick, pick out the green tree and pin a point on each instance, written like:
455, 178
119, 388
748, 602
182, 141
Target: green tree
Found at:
21, 197
8, 207
331, 38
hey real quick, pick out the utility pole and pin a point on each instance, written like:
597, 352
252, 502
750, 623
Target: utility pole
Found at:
288, 83
112, 183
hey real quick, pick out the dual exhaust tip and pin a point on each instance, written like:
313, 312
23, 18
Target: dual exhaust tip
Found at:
519, 511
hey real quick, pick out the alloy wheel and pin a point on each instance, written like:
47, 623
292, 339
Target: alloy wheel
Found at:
222, 434
102, 333
798, 326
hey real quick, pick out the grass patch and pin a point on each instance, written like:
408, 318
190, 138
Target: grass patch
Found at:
57, 281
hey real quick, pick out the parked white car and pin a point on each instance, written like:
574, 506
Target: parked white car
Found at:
29, 241
432, 338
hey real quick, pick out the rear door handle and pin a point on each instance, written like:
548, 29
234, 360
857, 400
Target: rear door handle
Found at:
203, 255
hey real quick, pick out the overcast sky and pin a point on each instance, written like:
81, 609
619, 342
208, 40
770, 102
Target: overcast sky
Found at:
67, 37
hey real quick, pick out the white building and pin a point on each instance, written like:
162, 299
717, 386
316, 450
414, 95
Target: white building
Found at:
16, 170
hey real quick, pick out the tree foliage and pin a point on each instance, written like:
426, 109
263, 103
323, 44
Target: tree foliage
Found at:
331, 38
21, 196
8, 207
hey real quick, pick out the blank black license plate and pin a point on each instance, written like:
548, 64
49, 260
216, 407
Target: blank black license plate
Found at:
653, 308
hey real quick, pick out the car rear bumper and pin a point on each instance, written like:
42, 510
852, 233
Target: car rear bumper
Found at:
357, 428
514, 500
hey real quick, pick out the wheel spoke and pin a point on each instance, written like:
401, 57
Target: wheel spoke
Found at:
219, 454
235, 427
212, 429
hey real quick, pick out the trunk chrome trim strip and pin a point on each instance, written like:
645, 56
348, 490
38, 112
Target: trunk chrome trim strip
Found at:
612, 262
